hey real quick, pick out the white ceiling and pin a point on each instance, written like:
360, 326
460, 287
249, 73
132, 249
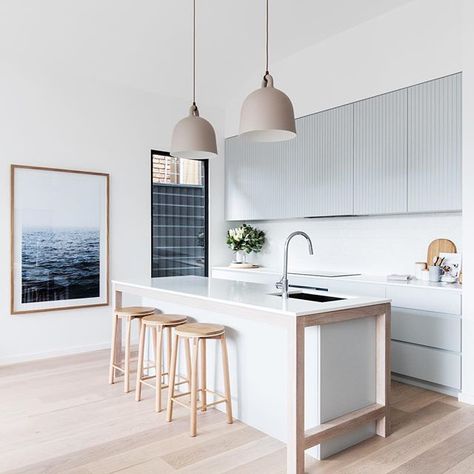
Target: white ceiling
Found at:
146, 44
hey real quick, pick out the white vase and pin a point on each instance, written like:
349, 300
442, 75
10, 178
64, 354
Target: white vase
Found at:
240, 256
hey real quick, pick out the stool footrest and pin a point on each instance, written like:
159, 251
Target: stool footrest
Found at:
199, 406
153, 385
200, 390
144, 381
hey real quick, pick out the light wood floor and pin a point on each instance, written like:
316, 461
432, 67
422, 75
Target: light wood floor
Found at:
61, 416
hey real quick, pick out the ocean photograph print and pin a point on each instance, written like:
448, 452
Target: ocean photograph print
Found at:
59, 239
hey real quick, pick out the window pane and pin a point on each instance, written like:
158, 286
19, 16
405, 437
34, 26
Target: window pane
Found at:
178, 216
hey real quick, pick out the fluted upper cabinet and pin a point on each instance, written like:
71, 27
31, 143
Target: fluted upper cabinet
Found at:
380, 154
308, 176
395, 153
435, 145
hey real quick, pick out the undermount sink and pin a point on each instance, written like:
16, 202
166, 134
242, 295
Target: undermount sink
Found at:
312, 297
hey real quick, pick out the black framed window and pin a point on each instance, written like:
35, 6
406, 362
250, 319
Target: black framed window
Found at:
179, 207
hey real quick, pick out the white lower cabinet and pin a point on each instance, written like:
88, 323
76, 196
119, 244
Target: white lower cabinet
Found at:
426, 324
437, 300
427, 364
438, 330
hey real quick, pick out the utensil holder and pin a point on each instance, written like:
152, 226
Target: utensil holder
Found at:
435, 273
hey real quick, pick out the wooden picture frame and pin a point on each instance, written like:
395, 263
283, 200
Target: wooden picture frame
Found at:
59, 239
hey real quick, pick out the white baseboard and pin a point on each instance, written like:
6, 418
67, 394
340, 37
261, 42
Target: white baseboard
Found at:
50, 354
466, 398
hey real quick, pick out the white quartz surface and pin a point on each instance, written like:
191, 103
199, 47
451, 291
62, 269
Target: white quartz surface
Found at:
250, 295
374, 279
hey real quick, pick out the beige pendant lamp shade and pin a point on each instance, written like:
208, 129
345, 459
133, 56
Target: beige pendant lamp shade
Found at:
193, 137
267, 114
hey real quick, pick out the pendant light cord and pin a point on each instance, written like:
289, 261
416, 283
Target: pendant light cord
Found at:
266, 39
194, 53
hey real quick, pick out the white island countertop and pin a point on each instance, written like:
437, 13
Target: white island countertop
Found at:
254, 296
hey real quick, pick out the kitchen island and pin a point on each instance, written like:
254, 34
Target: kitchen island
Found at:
314, 374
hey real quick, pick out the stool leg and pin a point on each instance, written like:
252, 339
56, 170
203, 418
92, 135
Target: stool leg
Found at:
168, 354
113, 349
187, 351
141, 355
153, 334
225, 366
194, 369
203, 376
174, 356
126, 385
158, 368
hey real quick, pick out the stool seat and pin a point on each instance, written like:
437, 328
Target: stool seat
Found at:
164, 319
200, 330
135, 311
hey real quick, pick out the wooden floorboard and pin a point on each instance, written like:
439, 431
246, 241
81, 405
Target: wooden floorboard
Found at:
61, 416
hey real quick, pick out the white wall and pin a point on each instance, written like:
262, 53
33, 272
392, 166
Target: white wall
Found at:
59, 121
414, 43
371, 245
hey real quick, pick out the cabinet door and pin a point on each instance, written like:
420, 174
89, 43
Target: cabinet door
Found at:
260, 180
311, 175
434, 145
324, 156
380, 154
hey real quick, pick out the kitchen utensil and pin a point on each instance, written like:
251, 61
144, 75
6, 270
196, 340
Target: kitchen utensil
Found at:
438, 246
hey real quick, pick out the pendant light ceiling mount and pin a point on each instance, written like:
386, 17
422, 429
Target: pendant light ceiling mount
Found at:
193, 137
267, 113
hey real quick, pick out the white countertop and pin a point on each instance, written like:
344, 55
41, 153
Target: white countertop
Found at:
250, 295
374, 279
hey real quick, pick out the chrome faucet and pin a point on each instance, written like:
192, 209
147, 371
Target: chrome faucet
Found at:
283, 283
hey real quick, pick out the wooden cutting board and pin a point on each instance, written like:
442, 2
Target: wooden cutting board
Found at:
438, 246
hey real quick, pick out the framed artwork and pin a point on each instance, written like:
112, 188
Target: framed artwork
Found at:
59, 239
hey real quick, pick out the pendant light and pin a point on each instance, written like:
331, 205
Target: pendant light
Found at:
267, 114
193, 137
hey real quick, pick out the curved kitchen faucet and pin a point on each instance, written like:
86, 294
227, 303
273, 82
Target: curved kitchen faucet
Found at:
283, 283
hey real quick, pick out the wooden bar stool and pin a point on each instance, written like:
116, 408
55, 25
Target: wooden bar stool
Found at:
128, 314
199, 333
158, 323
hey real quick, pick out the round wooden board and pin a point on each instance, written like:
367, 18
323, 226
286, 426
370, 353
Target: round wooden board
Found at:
440, 246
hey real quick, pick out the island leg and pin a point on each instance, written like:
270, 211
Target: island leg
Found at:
383, 370
295, 445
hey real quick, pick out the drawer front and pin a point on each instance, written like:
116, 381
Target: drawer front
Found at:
442, 331
425, 299
424, 363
